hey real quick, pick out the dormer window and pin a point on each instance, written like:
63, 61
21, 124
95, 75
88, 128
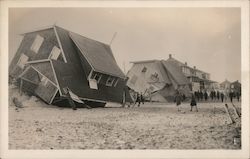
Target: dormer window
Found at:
37, 43
96, 76
55, 52
110, 81
22, 61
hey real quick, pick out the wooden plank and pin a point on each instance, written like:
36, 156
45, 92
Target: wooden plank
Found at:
53, 69
227, 111
51, 100
44, 76
59, 42
24, 72
236, 111
37, 29
28, 80
20, 88
38, 61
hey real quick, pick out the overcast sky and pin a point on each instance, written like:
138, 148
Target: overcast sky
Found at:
208, 38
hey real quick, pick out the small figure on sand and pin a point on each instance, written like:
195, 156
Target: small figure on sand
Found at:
222, 97
193, 103
138, 99
178, 99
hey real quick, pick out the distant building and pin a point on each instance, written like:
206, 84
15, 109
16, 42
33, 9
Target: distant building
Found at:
225, 86
159, 80
235, 86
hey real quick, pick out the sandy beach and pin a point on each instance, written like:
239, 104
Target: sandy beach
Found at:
151, 126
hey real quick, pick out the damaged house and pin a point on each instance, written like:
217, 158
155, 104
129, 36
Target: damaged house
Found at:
50, 60
159, 80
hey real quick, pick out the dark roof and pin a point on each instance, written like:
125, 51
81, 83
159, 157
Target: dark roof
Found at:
175, 72
98, 55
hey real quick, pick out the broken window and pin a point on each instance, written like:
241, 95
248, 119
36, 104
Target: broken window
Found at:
55, 52
110, 81
144, 69
37, 43
22, 60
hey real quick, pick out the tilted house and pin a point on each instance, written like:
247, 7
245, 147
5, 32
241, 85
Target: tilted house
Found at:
52, 59
159, 80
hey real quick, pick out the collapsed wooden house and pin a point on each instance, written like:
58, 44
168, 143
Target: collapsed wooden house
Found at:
159, 80
52, 59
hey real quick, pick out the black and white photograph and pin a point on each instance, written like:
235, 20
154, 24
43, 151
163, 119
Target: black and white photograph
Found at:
125, 78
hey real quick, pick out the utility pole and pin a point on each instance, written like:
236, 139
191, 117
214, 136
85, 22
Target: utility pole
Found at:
113, 38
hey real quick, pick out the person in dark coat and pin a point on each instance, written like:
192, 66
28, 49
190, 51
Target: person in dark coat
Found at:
178, 99
142, 99
222, 97
201, 95
218, 95
238, 96
211, 95
205, 95
193, 103
231, 95
138, 99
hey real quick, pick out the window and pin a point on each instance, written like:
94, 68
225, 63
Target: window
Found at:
144, 69
96, 76
116, 82
55, 52
155, 77
93, 84
22, 60
44, 81
37, 43
110, 81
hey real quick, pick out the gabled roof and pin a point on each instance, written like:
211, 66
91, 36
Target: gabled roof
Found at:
98, 55
175, 72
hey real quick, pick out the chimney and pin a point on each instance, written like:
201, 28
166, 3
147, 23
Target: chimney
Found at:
194, 67
186, 63
170, 56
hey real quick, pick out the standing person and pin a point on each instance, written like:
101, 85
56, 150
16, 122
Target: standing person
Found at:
138, 99
211, 95
231, 96
218, 95
201, 95
178, 100
205, 95
198, 95
222, 97
193, 103
142, 98
238, 96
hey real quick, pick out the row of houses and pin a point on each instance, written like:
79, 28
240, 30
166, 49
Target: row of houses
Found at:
52, 60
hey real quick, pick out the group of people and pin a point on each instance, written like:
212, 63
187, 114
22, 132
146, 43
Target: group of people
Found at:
215, 96
199, 96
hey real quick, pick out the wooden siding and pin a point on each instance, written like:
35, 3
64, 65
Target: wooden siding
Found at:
46, 69
28, 86
75, 79
25, 47
46, 92
31, 75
